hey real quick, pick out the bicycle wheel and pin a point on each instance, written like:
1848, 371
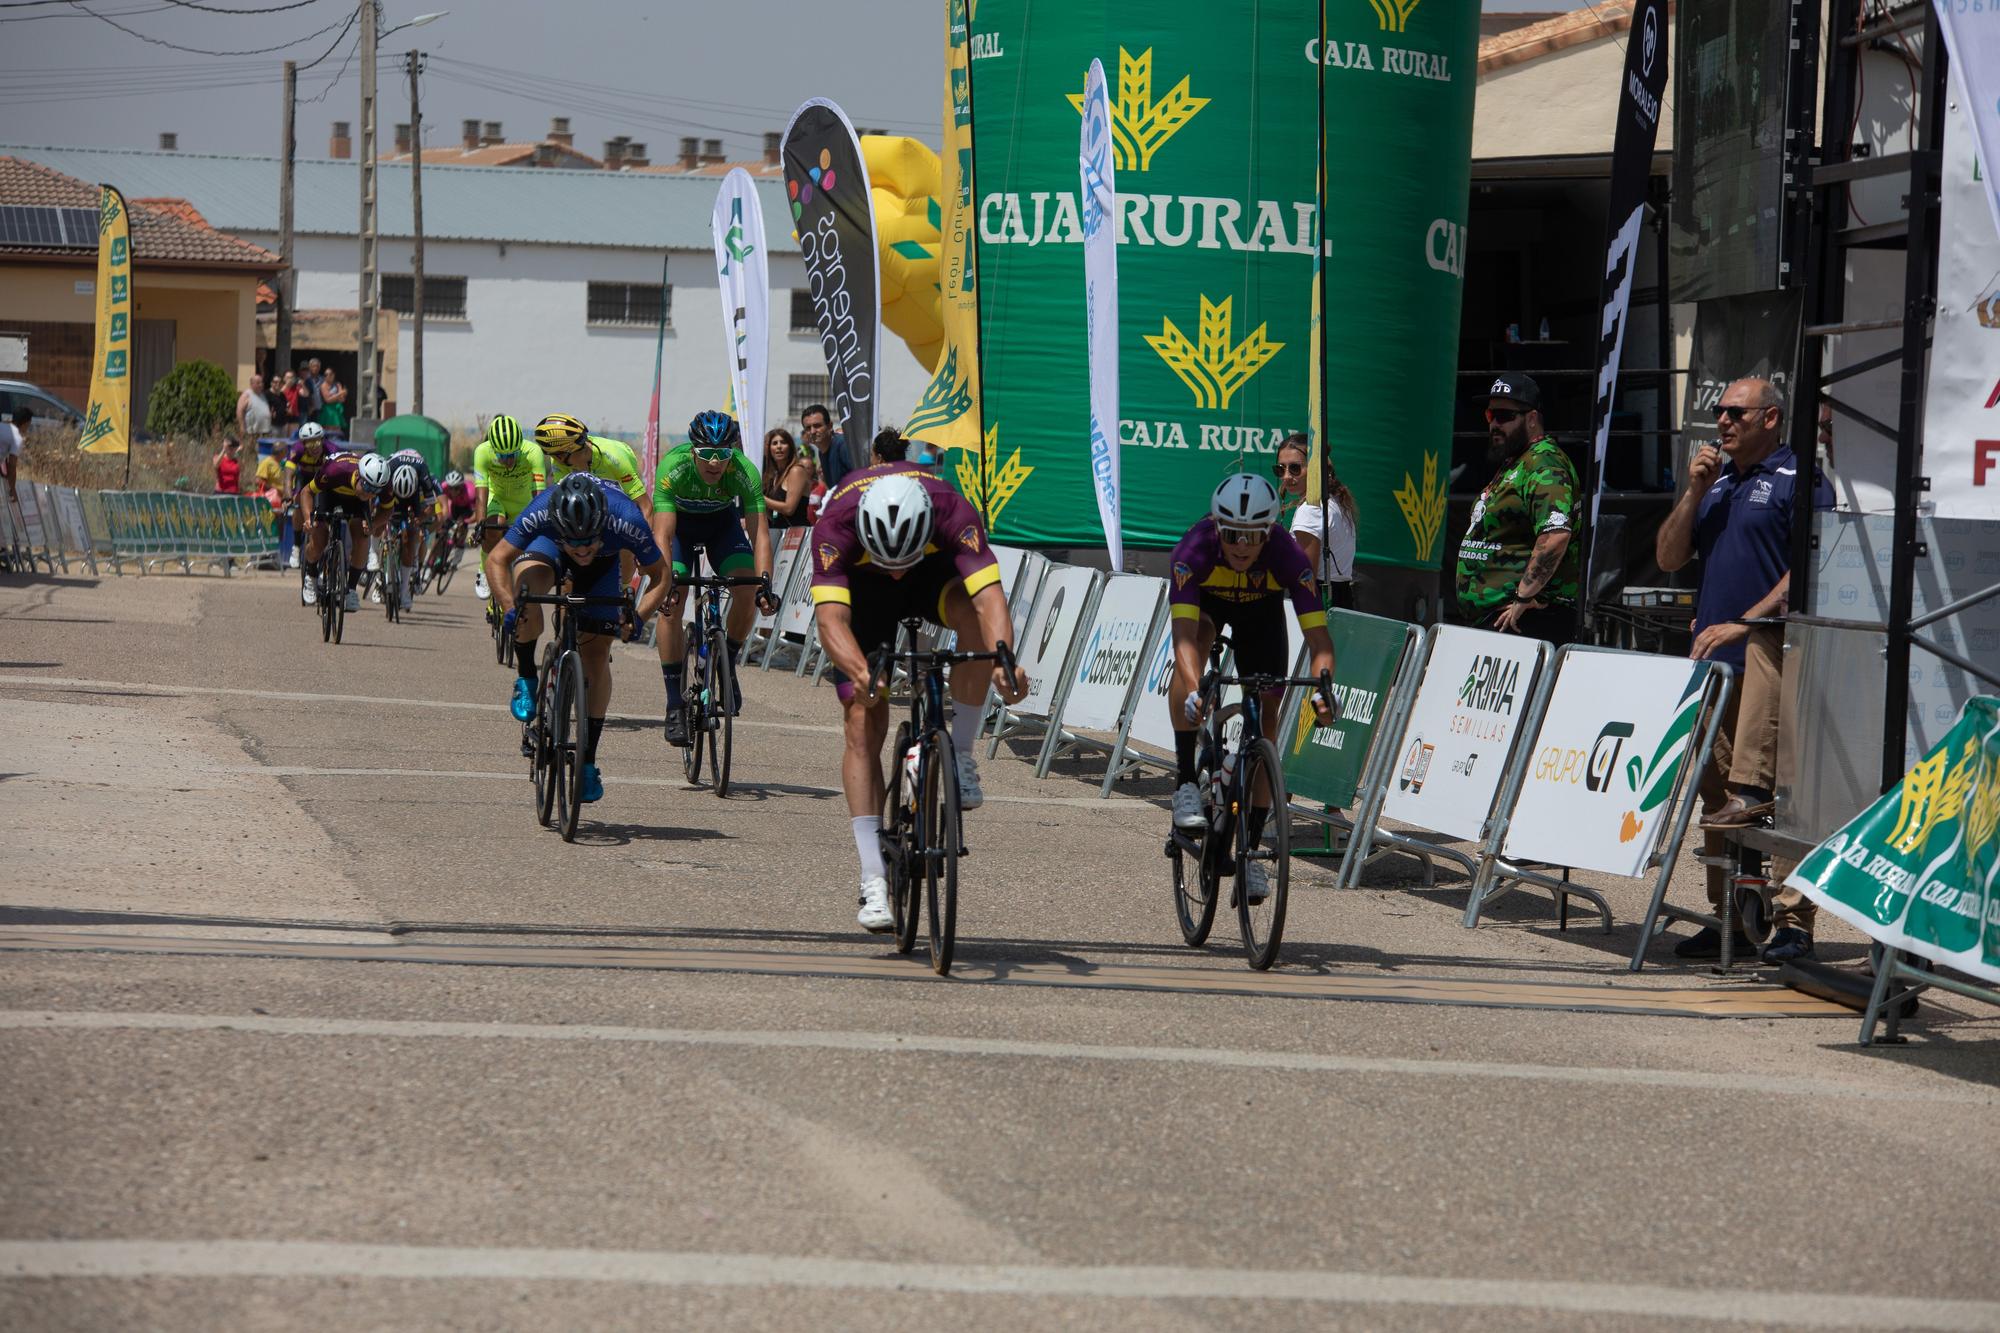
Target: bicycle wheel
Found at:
338, 565
895, 838
721, 687
392, 580
323, 571
1195, 884
548, 773
445, 568
573, 734
697, 732
1263, 923
503, 642
938, 818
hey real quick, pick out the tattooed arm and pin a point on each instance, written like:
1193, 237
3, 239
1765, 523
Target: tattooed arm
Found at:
1542, 563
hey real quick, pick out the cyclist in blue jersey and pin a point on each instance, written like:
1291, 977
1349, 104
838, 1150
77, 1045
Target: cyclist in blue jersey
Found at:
576, 531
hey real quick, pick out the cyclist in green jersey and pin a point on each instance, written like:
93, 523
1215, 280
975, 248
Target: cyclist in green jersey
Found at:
708, 494
507, 474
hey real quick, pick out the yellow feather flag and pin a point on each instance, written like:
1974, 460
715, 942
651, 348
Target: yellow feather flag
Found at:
108, 427
947, 414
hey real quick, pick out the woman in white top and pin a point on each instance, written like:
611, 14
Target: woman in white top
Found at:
1325, 531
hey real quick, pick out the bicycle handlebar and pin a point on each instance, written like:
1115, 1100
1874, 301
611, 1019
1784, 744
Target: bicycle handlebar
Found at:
570, 600
724, 581
1002, 654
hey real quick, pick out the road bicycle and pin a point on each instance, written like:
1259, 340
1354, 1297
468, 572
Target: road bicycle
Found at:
555, 739
503, 642
332, 576
1228, 774
923, 832
444, 562
392, 565
708, 699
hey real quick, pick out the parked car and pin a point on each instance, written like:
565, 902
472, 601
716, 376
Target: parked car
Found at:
15, 394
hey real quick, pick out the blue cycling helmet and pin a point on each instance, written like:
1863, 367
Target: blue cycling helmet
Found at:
714, 430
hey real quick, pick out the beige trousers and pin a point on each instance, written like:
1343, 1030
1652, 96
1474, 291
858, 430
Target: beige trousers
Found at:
1746, 755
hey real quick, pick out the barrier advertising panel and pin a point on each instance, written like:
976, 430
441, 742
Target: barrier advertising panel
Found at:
1474, 696
1324, 764
1606, 761
1064, 597
1114, 650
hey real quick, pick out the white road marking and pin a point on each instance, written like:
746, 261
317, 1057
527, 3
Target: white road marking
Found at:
887, 1043
666, 1268
295, 696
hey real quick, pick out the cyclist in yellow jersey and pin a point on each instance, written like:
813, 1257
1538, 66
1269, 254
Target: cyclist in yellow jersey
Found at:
570, 447
508, 472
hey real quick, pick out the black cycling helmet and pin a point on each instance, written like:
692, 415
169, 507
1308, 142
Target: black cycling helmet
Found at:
714, 430
577, 509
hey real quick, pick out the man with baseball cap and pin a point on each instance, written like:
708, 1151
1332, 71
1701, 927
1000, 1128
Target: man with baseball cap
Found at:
1518, 569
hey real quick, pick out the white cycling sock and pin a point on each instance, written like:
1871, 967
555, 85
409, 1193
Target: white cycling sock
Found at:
866, 827
965, 727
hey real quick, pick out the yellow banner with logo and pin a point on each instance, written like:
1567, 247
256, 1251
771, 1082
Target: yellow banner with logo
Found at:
948, 412
108, 427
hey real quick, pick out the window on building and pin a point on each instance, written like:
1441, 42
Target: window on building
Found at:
444, 298
802, 311
805, 390
644, 303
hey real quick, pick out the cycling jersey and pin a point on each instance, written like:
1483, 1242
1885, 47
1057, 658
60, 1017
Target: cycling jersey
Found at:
958, 539
428, 489
339, 480
612, 461
678, 486
1203, 582
460, 499
625, 528
509, 486
306, 458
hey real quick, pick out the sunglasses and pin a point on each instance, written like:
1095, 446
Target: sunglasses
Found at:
1243, 536
715, 455
1733, 412
1501, 416
1289, 469
584, 551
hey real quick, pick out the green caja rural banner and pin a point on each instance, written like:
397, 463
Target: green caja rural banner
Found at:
1920, 868
1216, 145
1324, 764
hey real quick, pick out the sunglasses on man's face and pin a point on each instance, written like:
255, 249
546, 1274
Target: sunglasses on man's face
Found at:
717, 455
1243, 537
1733, 412
1501, 416
1289, 469
583, 552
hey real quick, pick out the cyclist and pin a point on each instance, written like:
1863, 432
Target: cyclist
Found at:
349, 485
413, 495
507, 473
577, 531
570, 447
707, 493
460, 504
302, 463
893, 543
1234, 568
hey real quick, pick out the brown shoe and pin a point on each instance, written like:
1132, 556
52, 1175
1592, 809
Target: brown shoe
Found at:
1739, 813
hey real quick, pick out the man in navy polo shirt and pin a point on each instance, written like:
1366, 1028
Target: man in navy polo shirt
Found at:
1737, 520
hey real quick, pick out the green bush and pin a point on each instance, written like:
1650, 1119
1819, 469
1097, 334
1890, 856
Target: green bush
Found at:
194, 398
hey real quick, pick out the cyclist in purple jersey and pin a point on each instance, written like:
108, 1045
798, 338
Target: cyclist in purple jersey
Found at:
349, 485
893, 542
1235, 569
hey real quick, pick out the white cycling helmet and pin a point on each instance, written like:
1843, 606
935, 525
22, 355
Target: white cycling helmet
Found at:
454, 477
895, 520
311, 431
373, 473
1245, 502
403, 481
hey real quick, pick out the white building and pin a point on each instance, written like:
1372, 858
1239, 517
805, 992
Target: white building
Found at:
542, 286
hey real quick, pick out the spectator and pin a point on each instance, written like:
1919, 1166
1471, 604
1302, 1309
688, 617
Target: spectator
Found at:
270, 485
332, 412
1518, 570
1325, 531
13, 442
1738, 523
816, 424
889, 446
788, 480
926, 456
229, 467
253, 412
311, 381
281, 408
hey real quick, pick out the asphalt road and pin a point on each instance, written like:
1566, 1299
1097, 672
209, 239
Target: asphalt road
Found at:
304, 1020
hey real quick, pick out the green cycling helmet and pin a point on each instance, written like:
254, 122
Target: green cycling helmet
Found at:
504, 434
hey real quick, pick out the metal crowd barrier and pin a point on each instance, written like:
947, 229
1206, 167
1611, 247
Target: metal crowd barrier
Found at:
47, 527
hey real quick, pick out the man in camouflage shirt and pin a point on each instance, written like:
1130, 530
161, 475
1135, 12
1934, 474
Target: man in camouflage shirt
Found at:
1518, 569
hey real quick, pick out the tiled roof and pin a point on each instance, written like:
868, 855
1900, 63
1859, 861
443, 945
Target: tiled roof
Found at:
636, 210
497, 155
756, 166
1518, 46
159, 234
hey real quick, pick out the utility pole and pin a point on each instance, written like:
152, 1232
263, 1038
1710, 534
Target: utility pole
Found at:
417, 228
288, 285
365, 339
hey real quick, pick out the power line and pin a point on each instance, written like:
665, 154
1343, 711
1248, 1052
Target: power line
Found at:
196, 50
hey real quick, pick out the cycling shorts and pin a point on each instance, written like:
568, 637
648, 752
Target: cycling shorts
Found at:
598, 578
720, 533
879, 605
508, 505
1257, 629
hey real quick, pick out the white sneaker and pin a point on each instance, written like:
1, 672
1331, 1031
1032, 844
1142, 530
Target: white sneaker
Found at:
353, 599
308, 593
875, 916
375, 592
479, 588
1189, 817
374, 560
970, 794
1256, 882
293, 563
